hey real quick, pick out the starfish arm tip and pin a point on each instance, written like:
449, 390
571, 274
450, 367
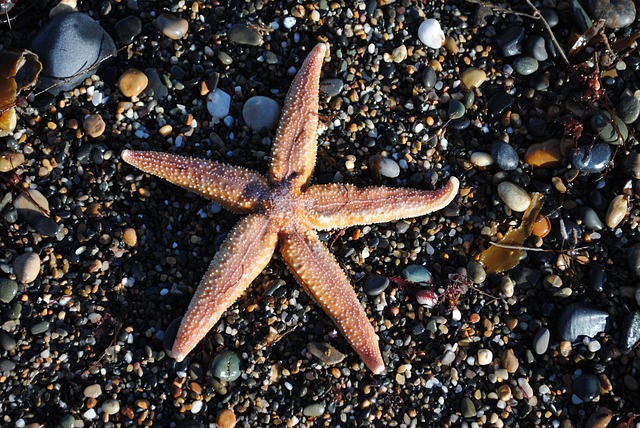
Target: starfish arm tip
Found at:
126, 155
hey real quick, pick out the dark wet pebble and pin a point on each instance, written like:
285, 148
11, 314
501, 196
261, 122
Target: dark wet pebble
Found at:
481, 16
629, 108
476, 272
158, 88
467, 408
527, 278
591, 161
504, 155
590, 219
536, 47
550, 15
579, 319
226, 366
633, 258
541, 341
631, 164
58, 44
325, 353
170, 334
417, 274
602, 123
8, 290
389, 168
586, 387
243, 35
7, 342
455, 109
127, 29
616, 13
525, 65
44, 225
429, 78
460, 124
331, 87
580, 15
373, 285
598, 278
499, 102
510, 41
630, 331
539, 82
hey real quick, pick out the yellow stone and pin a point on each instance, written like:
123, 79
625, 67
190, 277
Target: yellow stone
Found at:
473, 78
133, 82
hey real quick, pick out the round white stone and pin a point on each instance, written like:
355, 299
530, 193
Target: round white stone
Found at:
430, 33
485, 356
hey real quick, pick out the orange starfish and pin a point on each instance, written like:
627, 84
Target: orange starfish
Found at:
284, 209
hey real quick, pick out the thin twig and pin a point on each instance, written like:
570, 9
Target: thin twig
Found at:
542, 250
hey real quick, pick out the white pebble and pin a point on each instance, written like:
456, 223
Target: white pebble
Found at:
289, 22
515, 197
111, 406
485, 356
430, 33
196, 406
481, 159
89, 414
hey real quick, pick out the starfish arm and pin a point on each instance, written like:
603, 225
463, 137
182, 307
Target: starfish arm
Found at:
241, 258
235, 188
337, 206
293, 155
318, 272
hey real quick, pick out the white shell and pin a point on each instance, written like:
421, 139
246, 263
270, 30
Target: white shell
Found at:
430, 33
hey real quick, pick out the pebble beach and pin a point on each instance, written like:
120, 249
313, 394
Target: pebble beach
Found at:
517, 305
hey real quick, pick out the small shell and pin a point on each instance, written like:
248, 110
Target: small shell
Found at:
430, 33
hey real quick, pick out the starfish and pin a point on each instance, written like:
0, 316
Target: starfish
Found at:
284, 209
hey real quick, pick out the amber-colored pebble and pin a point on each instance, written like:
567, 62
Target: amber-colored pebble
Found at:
226, 419
132, 82
542, 226
474, 318
544, 155
130, 237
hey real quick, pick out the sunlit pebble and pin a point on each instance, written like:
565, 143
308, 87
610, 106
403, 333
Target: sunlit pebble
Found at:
289, 22
430, 33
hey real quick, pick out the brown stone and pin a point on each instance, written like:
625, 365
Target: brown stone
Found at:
94, 125
226, 419
133, 82
542, 226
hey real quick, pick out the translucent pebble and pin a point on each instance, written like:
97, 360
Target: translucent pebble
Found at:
430, 33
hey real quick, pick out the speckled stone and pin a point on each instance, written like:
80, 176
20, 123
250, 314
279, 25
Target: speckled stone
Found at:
26, 267
514, 196
261, 113
8, 290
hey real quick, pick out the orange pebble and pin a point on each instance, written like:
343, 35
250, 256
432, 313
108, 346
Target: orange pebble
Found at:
542, 226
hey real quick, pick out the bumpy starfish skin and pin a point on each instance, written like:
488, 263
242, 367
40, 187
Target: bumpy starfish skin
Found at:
282, 210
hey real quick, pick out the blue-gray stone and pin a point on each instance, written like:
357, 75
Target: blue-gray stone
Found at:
127, 29
510, 41
591, 161
525, 65
456, 109
70, 47
629, 108
375, 284
590, 219
388, 167
504, 155
226, 366
160, 91
331, 87
8, 290
261, 113
580, 319
536, 47
417, 274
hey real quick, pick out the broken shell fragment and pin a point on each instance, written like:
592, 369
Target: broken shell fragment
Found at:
18, 70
